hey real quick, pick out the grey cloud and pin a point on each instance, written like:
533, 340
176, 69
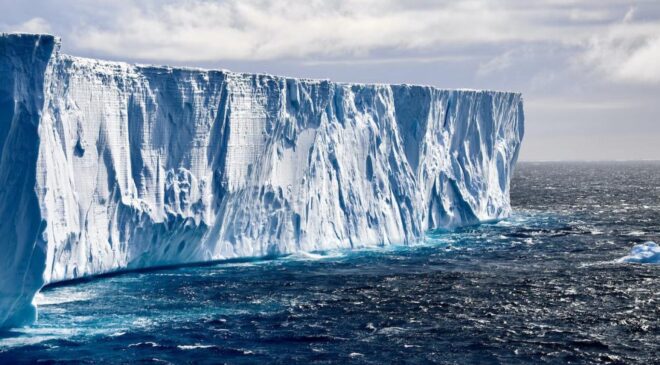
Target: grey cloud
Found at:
586, 67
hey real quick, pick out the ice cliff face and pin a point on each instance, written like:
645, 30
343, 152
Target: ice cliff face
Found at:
107, 166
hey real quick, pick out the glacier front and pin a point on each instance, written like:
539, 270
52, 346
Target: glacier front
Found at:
107, 166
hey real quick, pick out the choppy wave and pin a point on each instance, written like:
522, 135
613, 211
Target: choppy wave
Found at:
548, 285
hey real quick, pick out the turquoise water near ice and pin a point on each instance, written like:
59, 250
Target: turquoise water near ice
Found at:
544, 286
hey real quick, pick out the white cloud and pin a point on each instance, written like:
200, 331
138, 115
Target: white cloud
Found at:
629, 15
643, 64
34, 25
627, 51
354, 31
499, 63
388, 60
258, 29
545, 104
202, 30
580, 15
506, 60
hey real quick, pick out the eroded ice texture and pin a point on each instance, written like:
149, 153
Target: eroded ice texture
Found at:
107, 166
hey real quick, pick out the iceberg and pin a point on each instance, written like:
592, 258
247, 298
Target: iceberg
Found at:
108, 166
643, 253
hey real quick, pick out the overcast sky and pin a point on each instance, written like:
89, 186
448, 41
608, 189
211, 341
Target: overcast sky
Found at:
589, 70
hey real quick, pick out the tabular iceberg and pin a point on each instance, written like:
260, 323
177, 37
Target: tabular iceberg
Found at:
107, 166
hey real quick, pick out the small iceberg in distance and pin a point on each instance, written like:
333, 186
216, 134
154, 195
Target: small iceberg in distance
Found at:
644, 253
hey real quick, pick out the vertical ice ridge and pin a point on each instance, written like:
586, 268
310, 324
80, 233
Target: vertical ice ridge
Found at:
23, 67
136, 166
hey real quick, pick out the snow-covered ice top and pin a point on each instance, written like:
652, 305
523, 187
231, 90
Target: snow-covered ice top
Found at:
106, 166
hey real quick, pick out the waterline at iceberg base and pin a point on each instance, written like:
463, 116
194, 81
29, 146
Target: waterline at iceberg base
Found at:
108, 166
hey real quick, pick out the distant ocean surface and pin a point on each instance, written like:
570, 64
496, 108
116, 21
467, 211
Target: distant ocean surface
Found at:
544, 286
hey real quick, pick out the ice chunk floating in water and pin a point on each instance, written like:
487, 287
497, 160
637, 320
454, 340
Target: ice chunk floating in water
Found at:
645, 253
108, 166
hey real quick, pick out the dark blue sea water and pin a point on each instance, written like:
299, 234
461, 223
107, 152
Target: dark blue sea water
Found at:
541, 287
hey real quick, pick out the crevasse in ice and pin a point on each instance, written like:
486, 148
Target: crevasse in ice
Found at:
107, 166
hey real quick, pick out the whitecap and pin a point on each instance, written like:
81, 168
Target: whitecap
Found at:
144, 344
6, 343
315, 256
31, 336
60, 297
195, 347
391, 331
142, 322
308, 256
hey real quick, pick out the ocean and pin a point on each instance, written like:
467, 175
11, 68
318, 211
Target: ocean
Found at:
544, 286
